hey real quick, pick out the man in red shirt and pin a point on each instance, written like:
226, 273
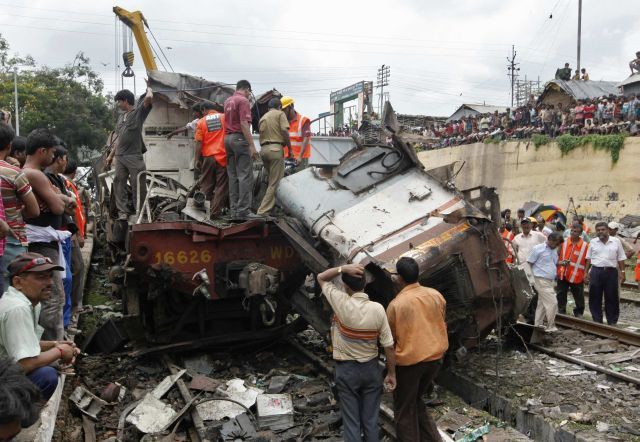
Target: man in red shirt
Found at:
240, 149
214, 181
589, 110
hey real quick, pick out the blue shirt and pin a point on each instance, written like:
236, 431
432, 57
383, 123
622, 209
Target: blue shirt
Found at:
544, 261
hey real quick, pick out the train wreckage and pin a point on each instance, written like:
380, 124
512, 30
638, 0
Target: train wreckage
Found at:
186, 281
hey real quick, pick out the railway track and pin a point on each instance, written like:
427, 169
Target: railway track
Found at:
623, 336
595, 328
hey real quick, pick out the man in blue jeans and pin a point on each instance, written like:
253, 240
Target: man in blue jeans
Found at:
357, 326
31, 282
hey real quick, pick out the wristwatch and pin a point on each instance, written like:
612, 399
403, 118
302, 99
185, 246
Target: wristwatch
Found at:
340, 269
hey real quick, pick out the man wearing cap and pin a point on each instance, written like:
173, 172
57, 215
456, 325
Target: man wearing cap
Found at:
613, 232
31, 282
605, 271
524, 241
240, 149
274, 137
299, 133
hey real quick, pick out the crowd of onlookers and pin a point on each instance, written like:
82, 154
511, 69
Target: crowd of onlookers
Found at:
605, 115
43, 214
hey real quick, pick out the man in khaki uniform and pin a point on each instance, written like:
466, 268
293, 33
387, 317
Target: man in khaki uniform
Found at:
274, 135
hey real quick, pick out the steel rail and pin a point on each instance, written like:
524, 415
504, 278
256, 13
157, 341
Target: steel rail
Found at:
595, 328
586, 364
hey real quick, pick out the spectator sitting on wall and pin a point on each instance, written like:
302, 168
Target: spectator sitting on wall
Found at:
576, 76
585, 75
564, 73
635, 64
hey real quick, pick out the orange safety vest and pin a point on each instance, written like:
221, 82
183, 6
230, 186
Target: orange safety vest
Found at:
576, 254
210, 132
80, 218
638, 269
295, 134
506, 235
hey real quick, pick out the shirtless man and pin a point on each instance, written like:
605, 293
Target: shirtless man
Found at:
42, 231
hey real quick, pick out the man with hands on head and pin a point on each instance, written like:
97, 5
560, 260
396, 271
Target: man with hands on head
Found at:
357, 326
31, 282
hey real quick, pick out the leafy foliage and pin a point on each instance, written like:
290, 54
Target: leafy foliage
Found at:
566, 143
68, 100
540, 140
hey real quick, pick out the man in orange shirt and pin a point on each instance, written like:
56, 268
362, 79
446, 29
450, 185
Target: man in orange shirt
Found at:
417, 320
212, 157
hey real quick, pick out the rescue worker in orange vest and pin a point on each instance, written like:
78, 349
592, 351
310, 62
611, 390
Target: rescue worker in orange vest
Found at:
299, 134
77, 241
212, 158
506, 231
571, 270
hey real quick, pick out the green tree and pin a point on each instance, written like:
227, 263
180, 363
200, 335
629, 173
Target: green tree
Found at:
68, 100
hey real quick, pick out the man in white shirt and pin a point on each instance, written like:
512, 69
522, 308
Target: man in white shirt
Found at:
357, 327
605, 270
543, 260
524, 242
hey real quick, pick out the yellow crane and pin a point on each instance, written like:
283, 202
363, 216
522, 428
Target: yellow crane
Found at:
136, 22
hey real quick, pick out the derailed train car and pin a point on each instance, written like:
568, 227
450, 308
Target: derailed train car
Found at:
188, 280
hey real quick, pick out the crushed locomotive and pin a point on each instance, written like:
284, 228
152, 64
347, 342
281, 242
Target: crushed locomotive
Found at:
184, 278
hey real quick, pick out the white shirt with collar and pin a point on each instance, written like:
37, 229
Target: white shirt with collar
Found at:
606, 254
20, 332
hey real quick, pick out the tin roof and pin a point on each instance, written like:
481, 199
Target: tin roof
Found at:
582, 90
473, 109
635, 78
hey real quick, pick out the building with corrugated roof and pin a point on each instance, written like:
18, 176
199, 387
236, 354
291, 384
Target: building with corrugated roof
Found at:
568, 92
475, 109
631, 85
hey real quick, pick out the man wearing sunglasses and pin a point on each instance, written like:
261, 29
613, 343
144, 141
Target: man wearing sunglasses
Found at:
31, 282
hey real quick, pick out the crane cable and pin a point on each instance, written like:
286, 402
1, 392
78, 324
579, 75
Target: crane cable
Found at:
160, 48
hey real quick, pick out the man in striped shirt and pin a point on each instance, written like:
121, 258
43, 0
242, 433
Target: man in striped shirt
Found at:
18, 200
358, 325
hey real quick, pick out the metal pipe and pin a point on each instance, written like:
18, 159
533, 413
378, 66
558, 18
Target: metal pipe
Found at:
579, 30
586, 364
15, 93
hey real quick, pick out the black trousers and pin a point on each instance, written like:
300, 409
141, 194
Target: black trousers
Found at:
603, 281
413, 422
577, 291
359, 393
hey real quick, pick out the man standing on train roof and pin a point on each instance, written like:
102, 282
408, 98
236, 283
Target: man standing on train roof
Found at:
299, 133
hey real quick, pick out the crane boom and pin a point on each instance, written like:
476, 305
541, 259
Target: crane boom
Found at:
136, 22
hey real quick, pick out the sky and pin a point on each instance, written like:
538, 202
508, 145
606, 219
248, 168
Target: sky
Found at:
441, 54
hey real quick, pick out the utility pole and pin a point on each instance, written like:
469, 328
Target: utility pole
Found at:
15, 93
512, 70
579, 30
383, 80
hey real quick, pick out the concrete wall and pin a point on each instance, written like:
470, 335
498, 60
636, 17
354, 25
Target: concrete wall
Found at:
521, 173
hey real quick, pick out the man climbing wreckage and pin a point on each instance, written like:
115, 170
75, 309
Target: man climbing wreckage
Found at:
195, 280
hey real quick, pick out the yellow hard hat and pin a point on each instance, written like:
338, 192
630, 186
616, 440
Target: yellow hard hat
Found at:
286, 101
